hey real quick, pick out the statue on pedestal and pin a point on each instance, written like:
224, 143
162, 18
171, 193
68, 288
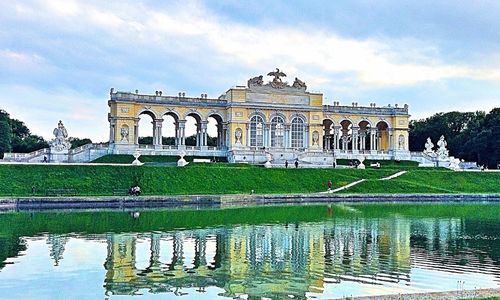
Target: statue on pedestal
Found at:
442, 152
428, 147
60, 142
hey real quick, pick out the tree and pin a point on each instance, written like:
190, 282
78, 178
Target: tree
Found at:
5, 135
473, 136
77, 142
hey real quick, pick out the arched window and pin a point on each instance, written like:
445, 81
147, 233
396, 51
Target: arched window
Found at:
256, 131
297, 133
277, 132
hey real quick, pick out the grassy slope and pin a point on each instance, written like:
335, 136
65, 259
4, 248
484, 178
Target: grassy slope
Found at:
433, 181
155, 180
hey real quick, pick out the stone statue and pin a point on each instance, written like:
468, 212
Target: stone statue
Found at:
401, 142
315, 138
256, 81
60, 142
237, 135
442, 152
277, 83
124, 133
428, 147
299, 84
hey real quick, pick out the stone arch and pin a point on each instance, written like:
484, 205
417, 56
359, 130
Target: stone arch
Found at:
218, 128
170, 130
219, 115
138, 126
147, 111
346, 134
277, 129
382, 135
257, 113
328, 133
256, 128
297, 131
364, 141
277, 114
298, 115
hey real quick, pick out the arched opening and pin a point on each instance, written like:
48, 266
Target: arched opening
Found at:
345, 135
328, 134
277, 132
364, 142
382, 136
215, 131
297, 133
193, 130
170, 129
256, 131
144, 131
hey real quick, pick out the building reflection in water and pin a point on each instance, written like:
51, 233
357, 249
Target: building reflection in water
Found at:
292, 259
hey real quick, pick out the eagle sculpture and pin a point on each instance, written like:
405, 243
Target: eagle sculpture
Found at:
277, 74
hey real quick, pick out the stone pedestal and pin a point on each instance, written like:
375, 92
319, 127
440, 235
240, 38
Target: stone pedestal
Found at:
59, 156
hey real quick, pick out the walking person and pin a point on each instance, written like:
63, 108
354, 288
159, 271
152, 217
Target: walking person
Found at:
296, 163
329, 184
286, 164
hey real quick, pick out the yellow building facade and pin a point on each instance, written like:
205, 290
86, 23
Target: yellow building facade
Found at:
274, 121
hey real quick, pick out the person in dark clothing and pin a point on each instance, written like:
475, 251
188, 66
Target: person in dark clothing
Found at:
286, 164
296, 163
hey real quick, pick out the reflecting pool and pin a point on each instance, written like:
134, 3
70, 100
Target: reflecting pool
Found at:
278, 252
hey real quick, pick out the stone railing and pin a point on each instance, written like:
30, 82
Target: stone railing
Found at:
366, 110
131, 97
26, 156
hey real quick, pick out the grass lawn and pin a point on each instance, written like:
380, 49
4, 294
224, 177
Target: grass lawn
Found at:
433, 181
220, 178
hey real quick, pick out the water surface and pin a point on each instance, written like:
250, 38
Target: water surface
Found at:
278, 252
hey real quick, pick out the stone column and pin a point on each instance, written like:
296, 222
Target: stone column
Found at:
306, 136
112, 126
157, 138
354, 139
182, 134
204, 135
391, 143
373, 140
337, 138
248, 135
136, 131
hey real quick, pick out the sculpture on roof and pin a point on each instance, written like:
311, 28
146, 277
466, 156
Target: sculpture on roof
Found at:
256, 81
277, 83
299, 84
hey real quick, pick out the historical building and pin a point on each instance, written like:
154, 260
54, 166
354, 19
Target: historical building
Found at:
264, 120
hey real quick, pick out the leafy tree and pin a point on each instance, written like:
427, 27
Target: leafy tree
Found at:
77, 142
473, 136
5, 135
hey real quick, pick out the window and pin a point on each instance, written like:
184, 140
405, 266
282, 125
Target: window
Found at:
297, 133
256, 131
277, 132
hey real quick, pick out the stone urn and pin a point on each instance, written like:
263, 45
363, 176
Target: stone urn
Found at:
136, 155
182, 162
361, 160
269, 157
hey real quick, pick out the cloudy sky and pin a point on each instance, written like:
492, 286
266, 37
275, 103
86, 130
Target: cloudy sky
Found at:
59, 58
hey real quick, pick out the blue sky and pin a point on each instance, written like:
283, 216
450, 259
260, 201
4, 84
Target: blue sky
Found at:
58, 59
